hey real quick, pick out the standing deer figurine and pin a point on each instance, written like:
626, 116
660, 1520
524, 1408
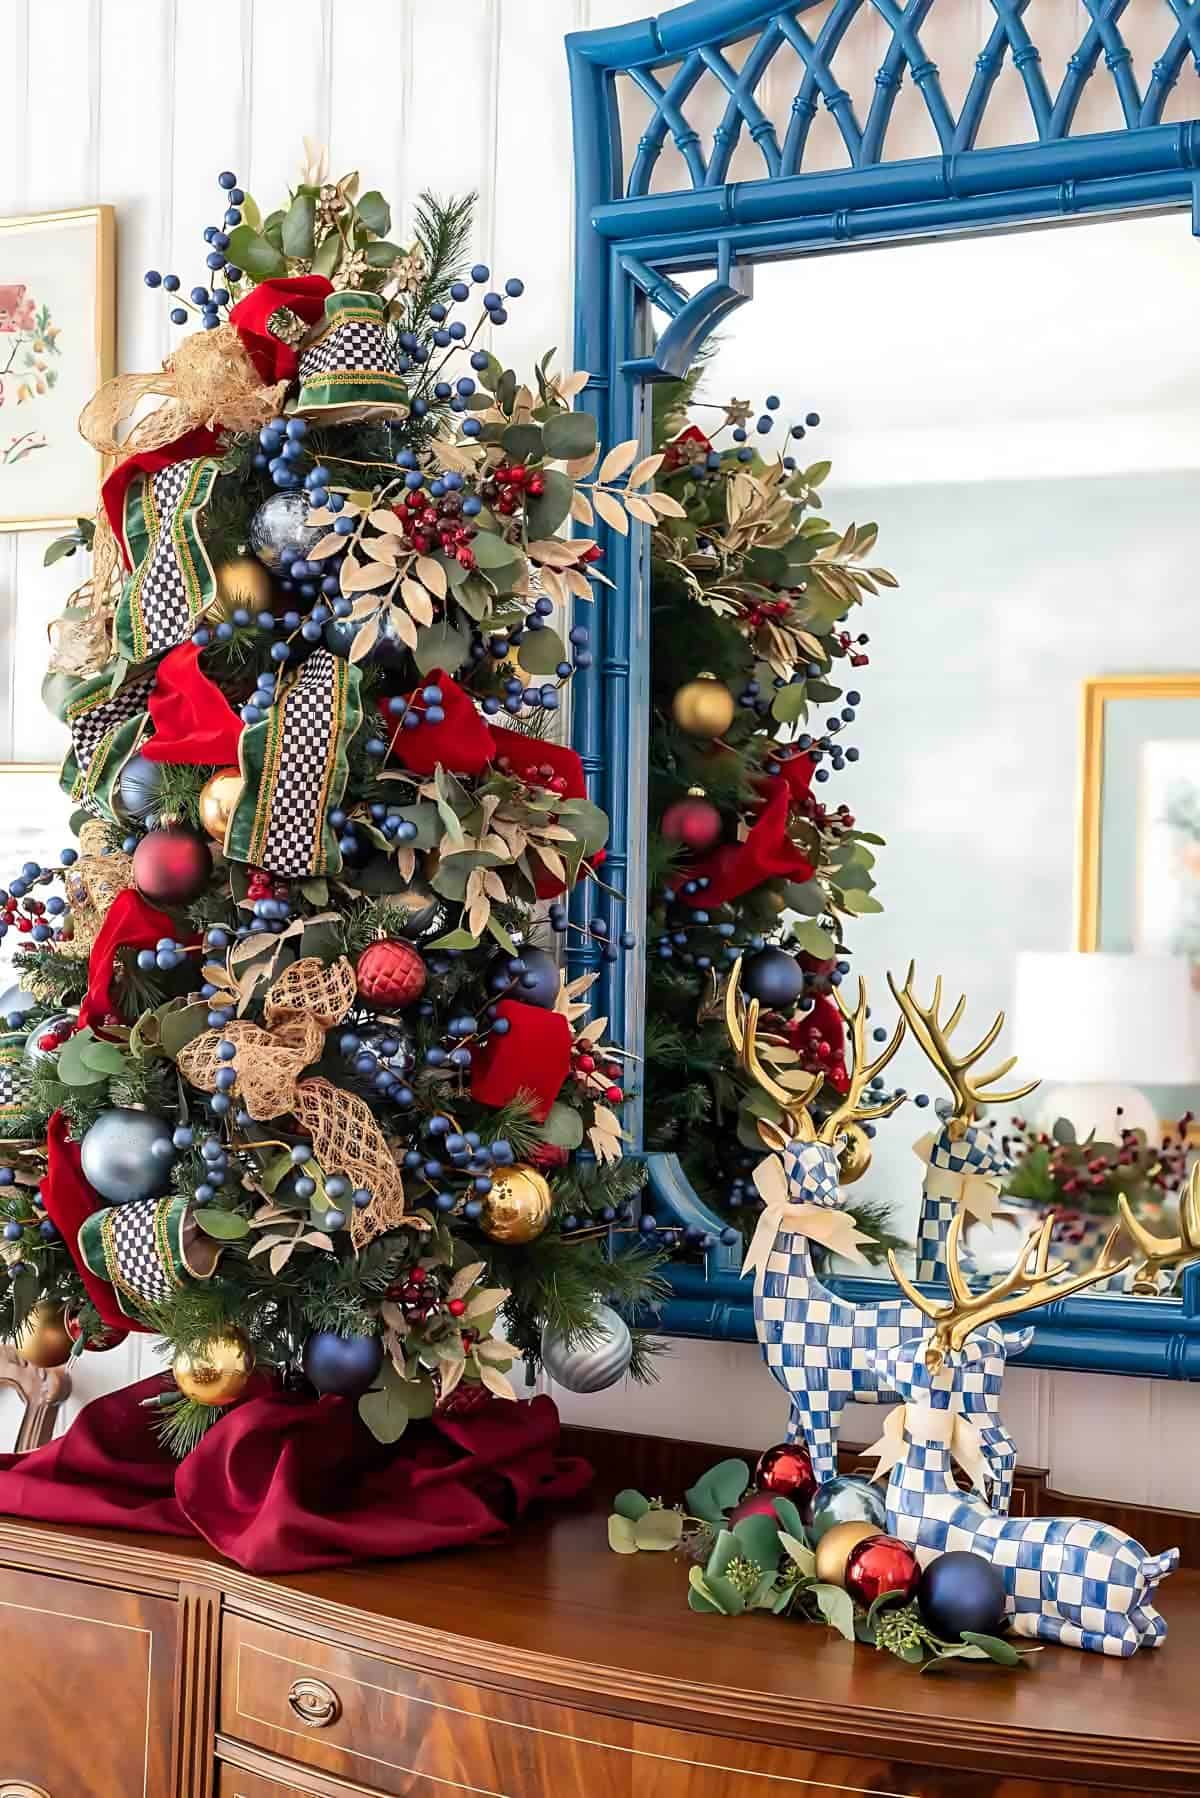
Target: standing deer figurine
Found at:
822, 1349
964, 1159
1068, 1580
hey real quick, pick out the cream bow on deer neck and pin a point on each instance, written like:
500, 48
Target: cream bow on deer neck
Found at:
832, 1228
922, 1423
976, 1193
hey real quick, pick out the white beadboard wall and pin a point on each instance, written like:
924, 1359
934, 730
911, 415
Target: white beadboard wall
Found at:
140, 103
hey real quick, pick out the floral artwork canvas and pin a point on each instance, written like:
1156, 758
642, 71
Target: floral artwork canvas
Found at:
56, 345
1168, 912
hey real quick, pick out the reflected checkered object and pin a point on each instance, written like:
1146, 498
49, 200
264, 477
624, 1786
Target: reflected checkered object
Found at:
955, 1155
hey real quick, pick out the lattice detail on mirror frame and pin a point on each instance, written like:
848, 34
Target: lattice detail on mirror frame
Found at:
863, 120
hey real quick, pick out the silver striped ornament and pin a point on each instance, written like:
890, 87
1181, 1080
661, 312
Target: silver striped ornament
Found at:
593, 1361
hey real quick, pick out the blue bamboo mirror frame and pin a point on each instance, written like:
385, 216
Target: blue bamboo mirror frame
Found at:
630, 243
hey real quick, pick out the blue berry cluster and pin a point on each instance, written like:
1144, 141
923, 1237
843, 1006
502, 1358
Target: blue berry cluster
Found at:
208, 302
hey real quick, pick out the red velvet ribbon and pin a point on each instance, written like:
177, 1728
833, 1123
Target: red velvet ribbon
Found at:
533, 1057
768, 853
305, 295
132, 923
69, 1199
689, 446
193, 444
193, 721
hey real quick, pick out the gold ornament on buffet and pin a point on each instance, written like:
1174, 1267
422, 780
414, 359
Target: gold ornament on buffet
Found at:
218, 797
703, 707
854, 1156
242, 581
215, 1372
43, 1340
518, 1207
833, 1550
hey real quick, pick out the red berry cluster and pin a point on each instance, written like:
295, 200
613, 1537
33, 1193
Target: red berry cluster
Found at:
25, 916
593, 1076
263, 885
846, 642
805, 1038
1086, 1171
833, 821
542, 776
506, 485
767, 612
437, 524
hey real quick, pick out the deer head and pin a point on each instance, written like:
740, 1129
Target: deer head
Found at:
1159, 1252
1021, 1289
793, 1090
968, 1089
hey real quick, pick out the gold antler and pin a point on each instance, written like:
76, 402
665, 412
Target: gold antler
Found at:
934, 1038
861, 1071
741, 1021
1165, 1251
1019, 1290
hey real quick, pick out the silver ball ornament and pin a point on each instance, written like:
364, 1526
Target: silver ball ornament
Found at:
425, 912
280, 526
591, 1362
139, 787
60, 1025
117, 1156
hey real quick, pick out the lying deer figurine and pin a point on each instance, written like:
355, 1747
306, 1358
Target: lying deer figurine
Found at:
964, 1159
822, 1349
1068, 1580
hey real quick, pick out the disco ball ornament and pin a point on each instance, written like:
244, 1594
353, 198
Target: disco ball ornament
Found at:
280, 532
694, 823
138, 787
172, 866
846, 1499
854, 1156
786, 1471
242, 581
424, 911
390, 975
393, 1044
118, 1159
704, 707
592, 1362
388, 649
961, 1591
518, 1206
880, 1564
43, 1339
835, 1547
535, 983
773, 977
217, 1371
47, 1038
342, 1364
218, 799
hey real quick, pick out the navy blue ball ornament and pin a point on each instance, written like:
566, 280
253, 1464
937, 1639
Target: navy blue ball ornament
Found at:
139, 787
845, 1499
118, 1159
280, 531
774, 978
388, 650
15, 999
342, 1364
961, 1591
534, 982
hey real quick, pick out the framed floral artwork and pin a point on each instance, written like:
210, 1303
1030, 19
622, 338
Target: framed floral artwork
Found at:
57, 323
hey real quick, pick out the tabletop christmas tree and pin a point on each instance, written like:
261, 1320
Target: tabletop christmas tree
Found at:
303, 1090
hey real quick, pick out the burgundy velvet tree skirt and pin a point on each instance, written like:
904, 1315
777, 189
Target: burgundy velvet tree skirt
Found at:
285, 1484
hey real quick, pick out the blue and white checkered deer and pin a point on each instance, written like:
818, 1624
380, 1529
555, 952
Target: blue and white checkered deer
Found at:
1068, 1580
963, 1158
821, 1348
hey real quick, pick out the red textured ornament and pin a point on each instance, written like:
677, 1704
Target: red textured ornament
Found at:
881, 1564
693, 822
786, 1471
172, 866
467, 1397
390, 975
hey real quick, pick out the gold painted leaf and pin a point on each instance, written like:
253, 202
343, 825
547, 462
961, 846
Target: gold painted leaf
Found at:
611, 511
581, 508
433, 575
639, 509
646, 468
666, 505
618, 459
384, 519
364, 642
325, 546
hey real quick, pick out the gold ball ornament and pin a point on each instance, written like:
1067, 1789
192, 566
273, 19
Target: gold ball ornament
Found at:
242, 581
854, 1157
218, 797
43, 1340
216, 1372
518, 1207
833, 1550
703, 707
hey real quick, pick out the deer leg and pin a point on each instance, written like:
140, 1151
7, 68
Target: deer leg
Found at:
1000, 1452
814, 1420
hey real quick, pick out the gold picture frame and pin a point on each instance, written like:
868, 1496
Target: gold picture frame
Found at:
1098, 694
79, 469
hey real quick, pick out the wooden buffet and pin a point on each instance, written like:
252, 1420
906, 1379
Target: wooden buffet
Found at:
542, 1667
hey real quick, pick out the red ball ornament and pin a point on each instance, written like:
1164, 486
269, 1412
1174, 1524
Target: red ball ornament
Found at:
693, 822
758, 1504
108, 1338
390, 975
881, 1564
786, 1471
172, 866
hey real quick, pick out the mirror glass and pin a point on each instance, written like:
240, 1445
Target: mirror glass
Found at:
1020, 416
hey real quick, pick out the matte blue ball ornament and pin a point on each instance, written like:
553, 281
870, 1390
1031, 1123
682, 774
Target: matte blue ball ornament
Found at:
280, 532
139, 787
846, 1499
538, 984
388, 650
774, 978
592, 1362
960, 1591
118, 1159
342, 1364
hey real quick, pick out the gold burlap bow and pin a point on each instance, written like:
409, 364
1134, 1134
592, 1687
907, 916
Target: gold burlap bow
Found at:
923, 1423
977, 1194
832, 1228
306, 1001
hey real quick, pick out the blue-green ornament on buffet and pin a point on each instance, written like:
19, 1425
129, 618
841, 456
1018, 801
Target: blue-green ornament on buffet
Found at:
846, 1499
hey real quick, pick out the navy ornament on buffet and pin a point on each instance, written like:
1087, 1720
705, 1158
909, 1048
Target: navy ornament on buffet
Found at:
961, 1591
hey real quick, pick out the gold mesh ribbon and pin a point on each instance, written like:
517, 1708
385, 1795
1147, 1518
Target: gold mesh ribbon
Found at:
92, 883
307, 1000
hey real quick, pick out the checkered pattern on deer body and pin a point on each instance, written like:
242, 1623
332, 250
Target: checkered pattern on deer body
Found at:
965, 1151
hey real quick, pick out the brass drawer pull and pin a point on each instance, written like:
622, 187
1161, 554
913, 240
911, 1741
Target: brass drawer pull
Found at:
17, 1788
311, 1700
